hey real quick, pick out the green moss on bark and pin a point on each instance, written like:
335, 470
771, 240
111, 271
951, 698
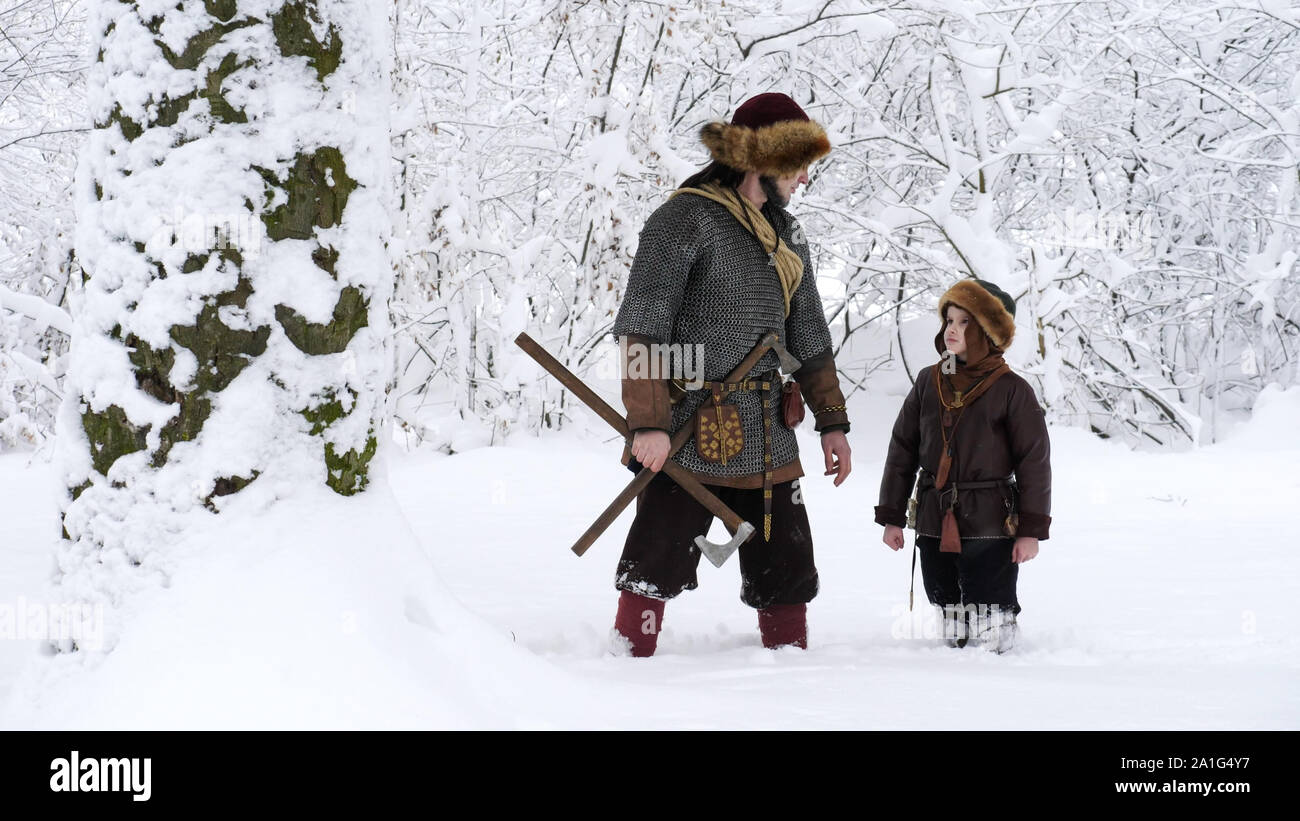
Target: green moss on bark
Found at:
348, 473
171, 109
131, 130
326, 259
75, 493
152, 369
222, 110
350, 315
222, 352
111, 435
190, 58
292, 26
223, 10
198, 45
226, 486
318, 188
315, 190
185, 426
328, 411
231, 255
79, 489
99, 55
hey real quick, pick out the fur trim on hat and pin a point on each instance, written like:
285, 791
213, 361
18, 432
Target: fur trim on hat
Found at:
987, 309
776, 150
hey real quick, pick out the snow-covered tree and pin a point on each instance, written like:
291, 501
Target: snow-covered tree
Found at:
1126, 169
42, 123
233, 216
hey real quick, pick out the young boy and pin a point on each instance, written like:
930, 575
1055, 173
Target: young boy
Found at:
983, 502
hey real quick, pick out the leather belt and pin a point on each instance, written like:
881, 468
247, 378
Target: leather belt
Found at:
764, 383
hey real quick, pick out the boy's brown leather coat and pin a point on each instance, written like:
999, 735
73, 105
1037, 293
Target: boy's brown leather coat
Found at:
1002, 433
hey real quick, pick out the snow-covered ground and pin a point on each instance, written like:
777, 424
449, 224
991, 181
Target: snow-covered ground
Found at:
1165, 599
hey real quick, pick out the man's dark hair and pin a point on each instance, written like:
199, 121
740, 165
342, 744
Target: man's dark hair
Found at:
715, 171
729, 177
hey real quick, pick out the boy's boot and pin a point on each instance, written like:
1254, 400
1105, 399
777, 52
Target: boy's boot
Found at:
955, 626
996, 629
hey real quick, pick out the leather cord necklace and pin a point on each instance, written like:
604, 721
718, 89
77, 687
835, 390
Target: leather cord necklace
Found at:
948, 429
961, 400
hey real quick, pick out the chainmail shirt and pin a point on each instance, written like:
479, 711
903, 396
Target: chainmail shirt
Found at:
700, 277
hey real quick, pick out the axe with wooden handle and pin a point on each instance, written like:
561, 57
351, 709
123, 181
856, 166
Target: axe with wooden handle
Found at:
715, 553
741, 530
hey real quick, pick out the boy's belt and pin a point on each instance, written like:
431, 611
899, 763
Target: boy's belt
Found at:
926, 480
1012, 522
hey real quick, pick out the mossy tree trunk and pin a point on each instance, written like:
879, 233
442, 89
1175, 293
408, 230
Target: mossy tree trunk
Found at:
232, 225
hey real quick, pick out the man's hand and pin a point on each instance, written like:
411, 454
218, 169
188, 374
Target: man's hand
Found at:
1025, 549
893, 537
839, 461
650, 447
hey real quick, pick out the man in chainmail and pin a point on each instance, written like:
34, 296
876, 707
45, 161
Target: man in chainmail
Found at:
720, 264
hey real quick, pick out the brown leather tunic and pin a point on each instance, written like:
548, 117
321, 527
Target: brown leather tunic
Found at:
1003, 433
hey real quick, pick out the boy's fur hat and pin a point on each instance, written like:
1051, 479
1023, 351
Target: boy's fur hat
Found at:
992, 307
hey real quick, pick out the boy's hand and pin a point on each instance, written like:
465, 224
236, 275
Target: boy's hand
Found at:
894, 537
1025, 549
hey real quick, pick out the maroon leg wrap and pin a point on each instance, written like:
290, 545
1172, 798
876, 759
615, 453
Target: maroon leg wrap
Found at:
784, 624
639, 620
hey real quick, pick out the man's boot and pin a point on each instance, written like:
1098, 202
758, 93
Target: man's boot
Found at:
783, 625
639, 620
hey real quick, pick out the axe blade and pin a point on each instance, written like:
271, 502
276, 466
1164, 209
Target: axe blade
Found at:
787, 361
717, 554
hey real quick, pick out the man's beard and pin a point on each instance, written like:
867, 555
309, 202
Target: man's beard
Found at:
773, 194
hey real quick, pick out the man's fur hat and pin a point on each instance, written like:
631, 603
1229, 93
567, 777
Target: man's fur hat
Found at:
992, 307
769, 134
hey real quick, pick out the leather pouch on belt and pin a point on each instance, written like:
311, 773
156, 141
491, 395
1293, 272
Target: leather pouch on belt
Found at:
718, 434
791, 404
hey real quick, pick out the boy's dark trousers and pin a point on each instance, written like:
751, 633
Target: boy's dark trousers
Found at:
981, 574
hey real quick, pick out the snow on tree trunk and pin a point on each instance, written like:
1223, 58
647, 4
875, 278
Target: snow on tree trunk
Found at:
230, 337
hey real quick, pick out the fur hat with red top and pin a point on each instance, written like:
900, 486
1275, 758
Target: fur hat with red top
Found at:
769, 134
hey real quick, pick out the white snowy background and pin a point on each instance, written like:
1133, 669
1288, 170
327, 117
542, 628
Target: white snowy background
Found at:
447, 597
1127, 168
